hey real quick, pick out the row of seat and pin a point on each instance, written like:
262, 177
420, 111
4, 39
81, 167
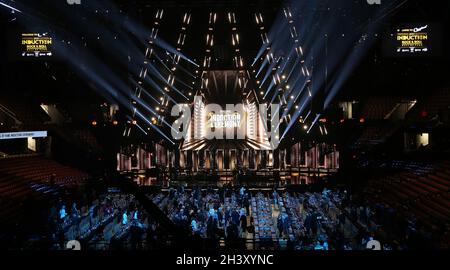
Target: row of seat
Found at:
41, 169
23, 176
31, 115
431, 106
87, 138
377, 108
426, 196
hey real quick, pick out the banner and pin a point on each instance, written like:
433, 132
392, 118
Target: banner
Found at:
23, 135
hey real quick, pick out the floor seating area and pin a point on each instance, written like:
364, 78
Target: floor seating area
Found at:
264, 220
102, 221
303, 221
315, 217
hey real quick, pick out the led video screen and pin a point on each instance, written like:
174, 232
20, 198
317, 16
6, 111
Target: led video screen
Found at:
413, 39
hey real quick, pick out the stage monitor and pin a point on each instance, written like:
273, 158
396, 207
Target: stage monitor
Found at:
413, 40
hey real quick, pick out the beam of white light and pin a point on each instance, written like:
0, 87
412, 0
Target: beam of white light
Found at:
10, 7
313, 123
153, 126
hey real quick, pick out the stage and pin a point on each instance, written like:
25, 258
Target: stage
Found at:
251, 179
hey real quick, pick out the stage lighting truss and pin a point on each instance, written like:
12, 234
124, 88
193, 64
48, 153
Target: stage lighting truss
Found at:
207, 60
175, 57
281, 71
291, 92
276, 79
235, 42
161, 102
238, 60
172, 59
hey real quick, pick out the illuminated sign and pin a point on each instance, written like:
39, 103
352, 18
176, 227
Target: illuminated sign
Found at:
225, 119
23, 135
36, 45
412, 40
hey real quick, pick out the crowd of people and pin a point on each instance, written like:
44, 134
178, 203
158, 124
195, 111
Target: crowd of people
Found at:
111, 221
305, 221
209, 213
230, 216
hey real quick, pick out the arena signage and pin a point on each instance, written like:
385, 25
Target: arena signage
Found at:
36, 45
23, 135
412, 39
225, 119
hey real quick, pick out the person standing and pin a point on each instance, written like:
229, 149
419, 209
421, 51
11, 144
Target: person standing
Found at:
125, 219
243, 224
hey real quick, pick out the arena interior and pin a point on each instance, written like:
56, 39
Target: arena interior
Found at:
283, 125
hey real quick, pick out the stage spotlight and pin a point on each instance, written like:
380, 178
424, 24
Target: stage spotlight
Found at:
305, 127
362, 120
157, 109
115, 122
94, 123
134, 122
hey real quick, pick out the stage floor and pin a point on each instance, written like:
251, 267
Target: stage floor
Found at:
284, 181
